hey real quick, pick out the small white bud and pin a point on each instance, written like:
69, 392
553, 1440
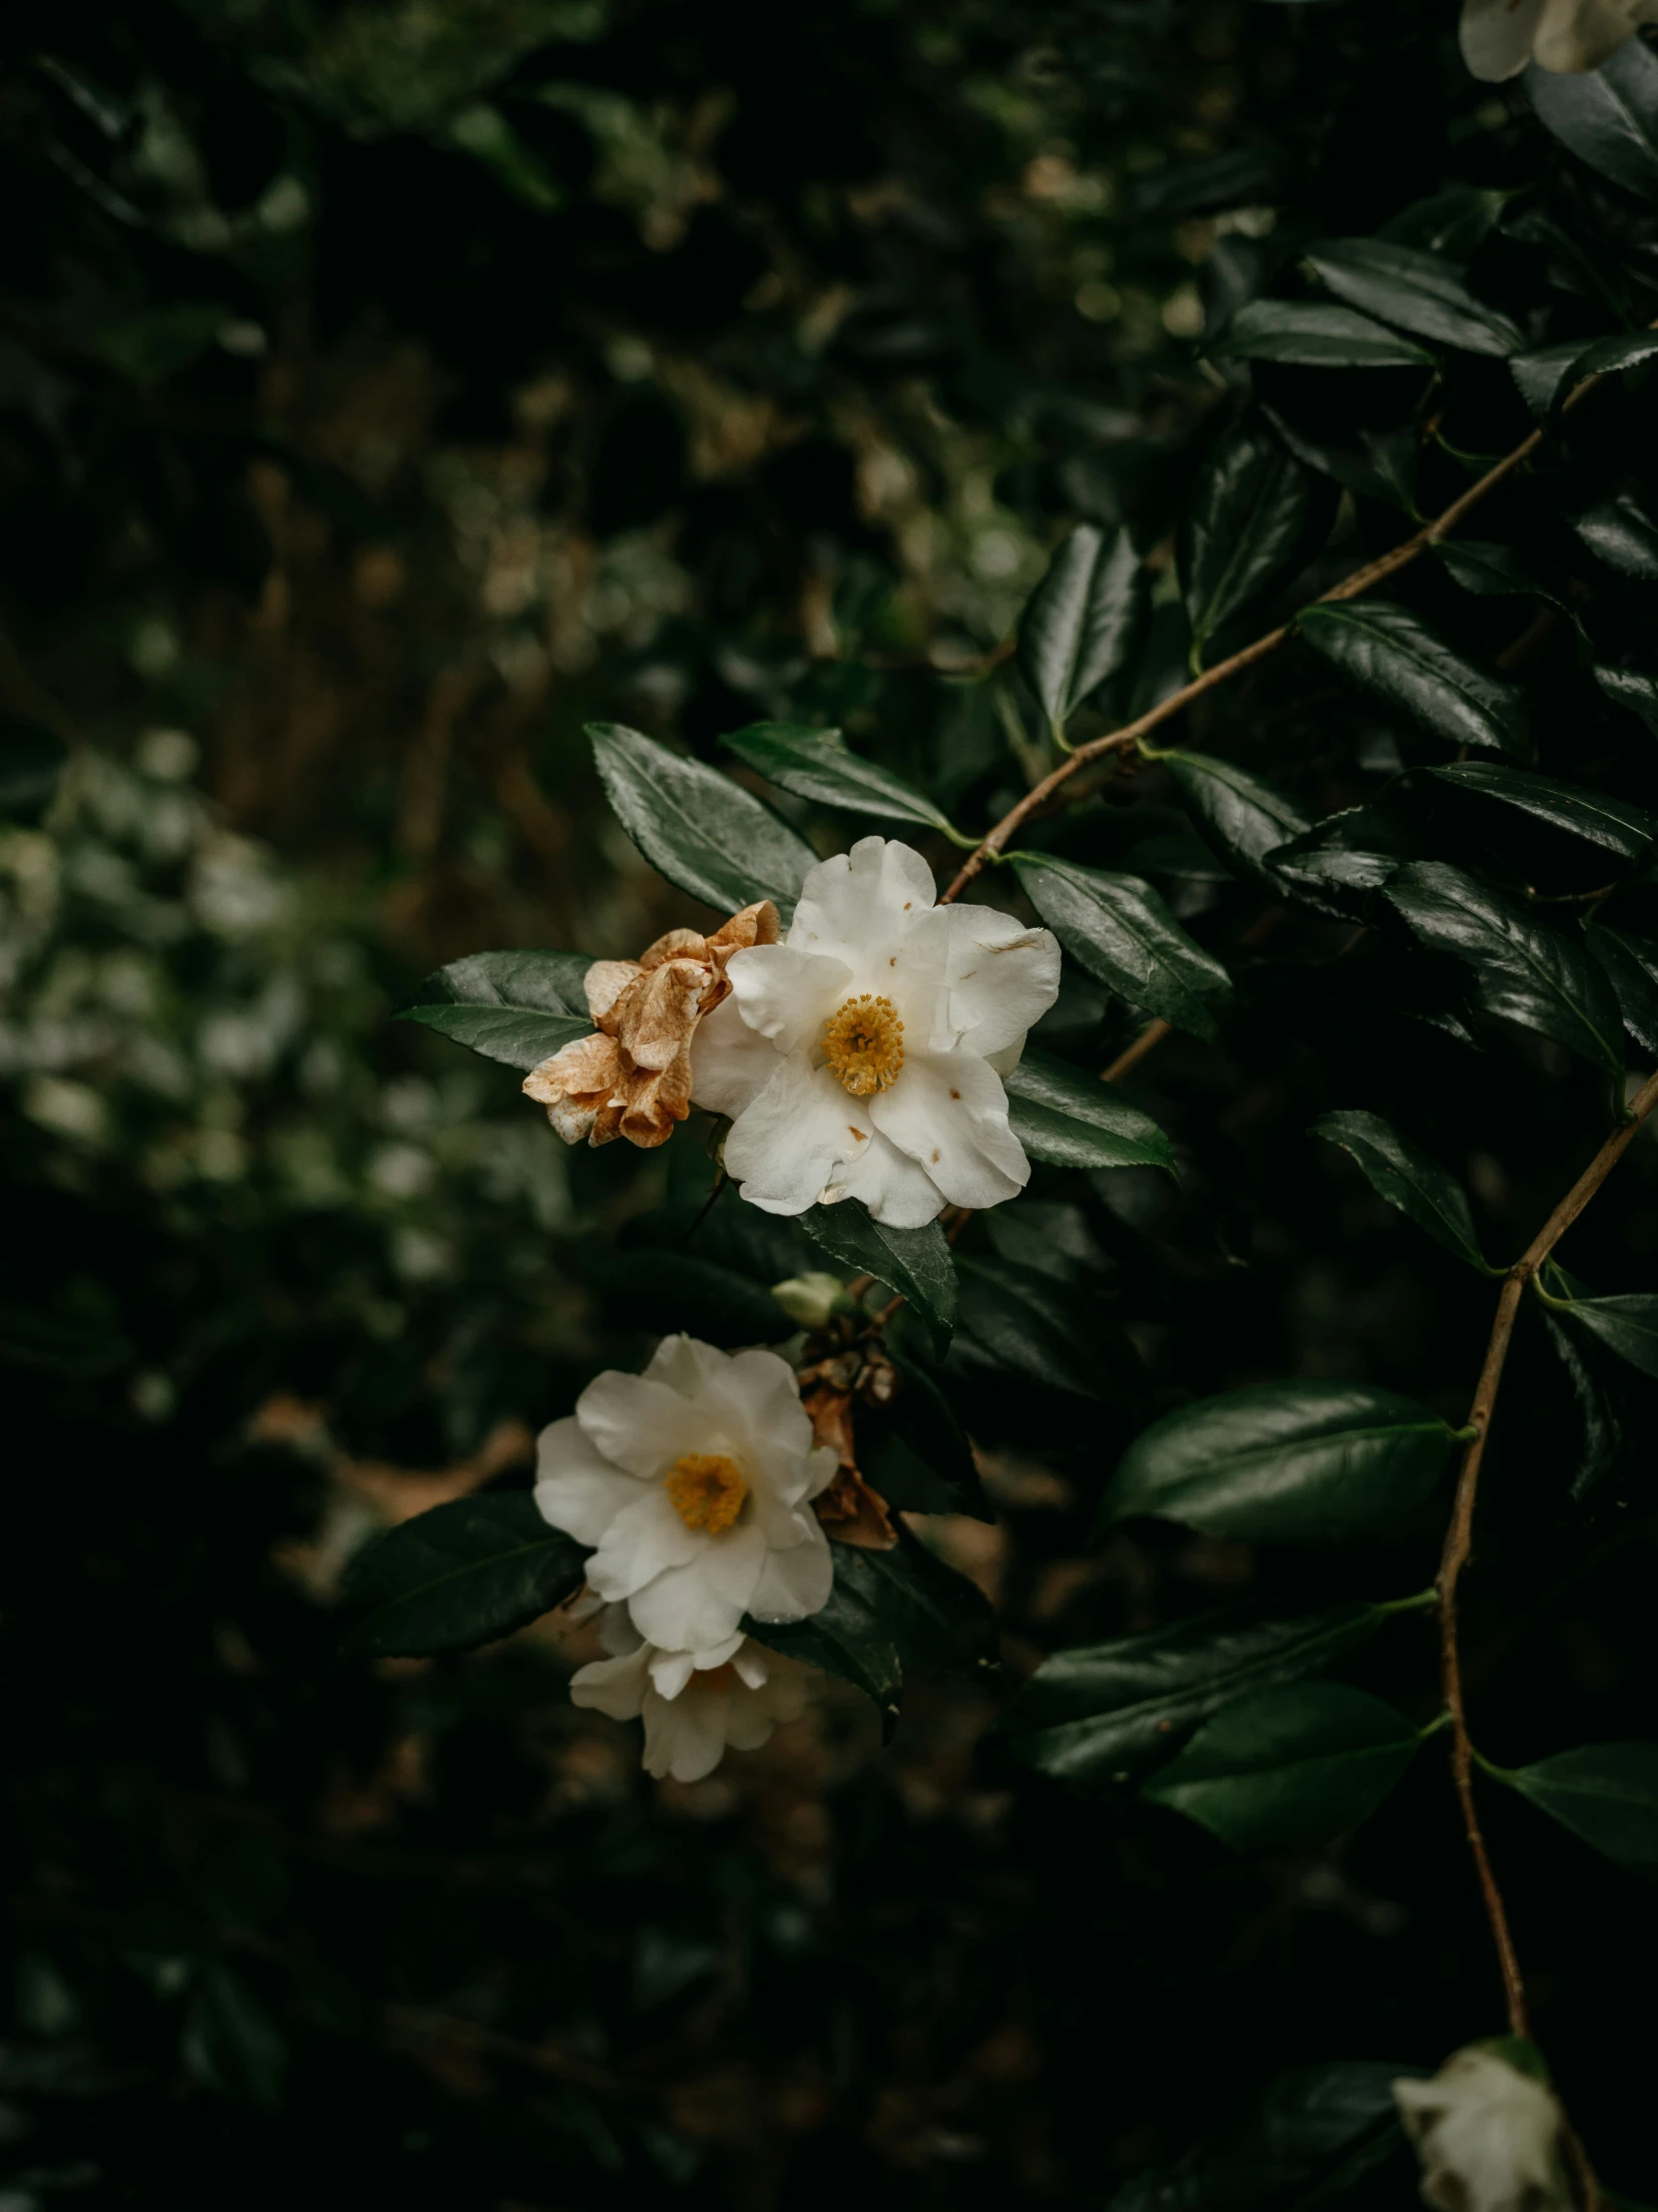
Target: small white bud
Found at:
1488, 2134
808, 1299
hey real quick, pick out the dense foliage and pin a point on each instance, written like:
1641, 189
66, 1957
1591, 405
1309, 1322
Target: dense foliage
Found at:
496, 475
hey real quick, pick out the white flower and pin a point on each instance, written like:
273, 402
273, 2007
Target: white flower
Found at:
1488, 2136
1499, 37
863, 1058
693, 1705
695, 1481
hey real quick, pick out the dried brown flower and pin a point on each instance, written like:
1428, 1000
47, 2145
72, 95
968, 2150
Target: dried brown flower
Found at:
632, 1076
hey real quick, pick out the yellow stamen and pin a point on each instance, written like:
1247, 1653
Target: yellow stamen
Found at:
706, 1490
864, 1046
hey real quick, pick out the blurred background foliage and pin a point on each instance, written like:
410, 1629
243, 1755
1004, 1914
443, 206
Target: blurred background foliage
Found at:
384, 391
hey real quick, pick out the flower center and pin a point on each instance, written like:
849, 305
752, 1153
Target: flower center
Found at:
864, 1044
706, 1490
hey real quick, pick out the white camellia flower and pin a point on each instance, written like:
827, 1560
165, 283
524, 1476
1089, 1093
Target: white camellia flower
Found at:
693, 1705
1488, 2136
694, 1482
863, 1058
1499, 37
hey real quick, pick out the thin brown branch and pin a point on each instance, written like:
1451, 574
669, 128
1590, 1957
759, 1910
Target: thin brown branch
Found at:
1147, 1042
1374, 571
1458, 1544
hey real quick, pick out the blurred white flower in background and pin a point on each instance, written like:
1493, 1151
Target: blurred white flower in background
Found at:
693, 1706
863, 1058
1487, 2135
695, 1481
1499, 37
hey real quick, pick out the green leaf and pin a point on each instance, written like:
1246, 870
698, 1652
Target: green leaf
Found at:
819, 765
1310, 2141
1391, 651
1631, 962
1543, 373
656, 1290
1288, 1768
1622, 534
695, 827
1420, 292
1619, 824
1081, 621
1106, 1712
1030, 1326
1605, 357
230, 2042
1599, 1420
1406, 1175
518, 1007
1525, 969
1122, 931
916, 1263
1315, 333
1070, 1120
889, 1611
1627, 1325
458, 1575
917, 1443
1607, 1793
1249, 519
1283, 1462
1238, 816
1489, 570
1608, 117
32, 761
1634, 689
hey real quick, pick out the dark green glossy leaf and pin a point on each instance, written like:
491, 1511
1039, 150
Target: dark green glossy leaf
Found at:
1404, 1174
459, 1576
1599, 1419
1385, 469
1607, 357
518, 1007
1030, 1326
656, 1290
1081, 621
1525, 969
1391, 653
918, 1434
1317, 334
1070, 1120
1106, 1712
1543, 373
1619, 824
1454, 223
1627, 1325
1418, 291
1631, 962
1607, 1793
819, 765
1284, 1463
695, 827
1288, 1768
916, 1263
1237, 815
1489, 570
32, 761
1250, 517
1634, 689
890, 1611
1308, 2142
1608, 117
1122, 931
1341, 860
1621, 533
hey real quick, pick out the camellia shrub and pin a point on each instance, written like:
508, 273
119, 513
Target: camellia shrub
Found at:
1093, 1204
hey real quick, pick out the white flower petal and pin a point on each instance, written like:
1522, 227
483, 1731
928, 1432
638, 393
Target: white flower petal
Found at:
671, 1670
639, 1424
1000, 980
730, 1063
761, 1394
794, 1585
687, 1366
1575, 36
685, 1737
696, 1605
638, 1546
896, 1188
858, 904
949, 1112
788, 1145
822, 1469
787, 994
1495, 36
751, 1663
577, 1487
613, 1686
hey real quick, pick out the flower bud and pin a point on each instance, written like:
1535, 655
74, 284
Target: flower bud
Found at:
808, 1300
